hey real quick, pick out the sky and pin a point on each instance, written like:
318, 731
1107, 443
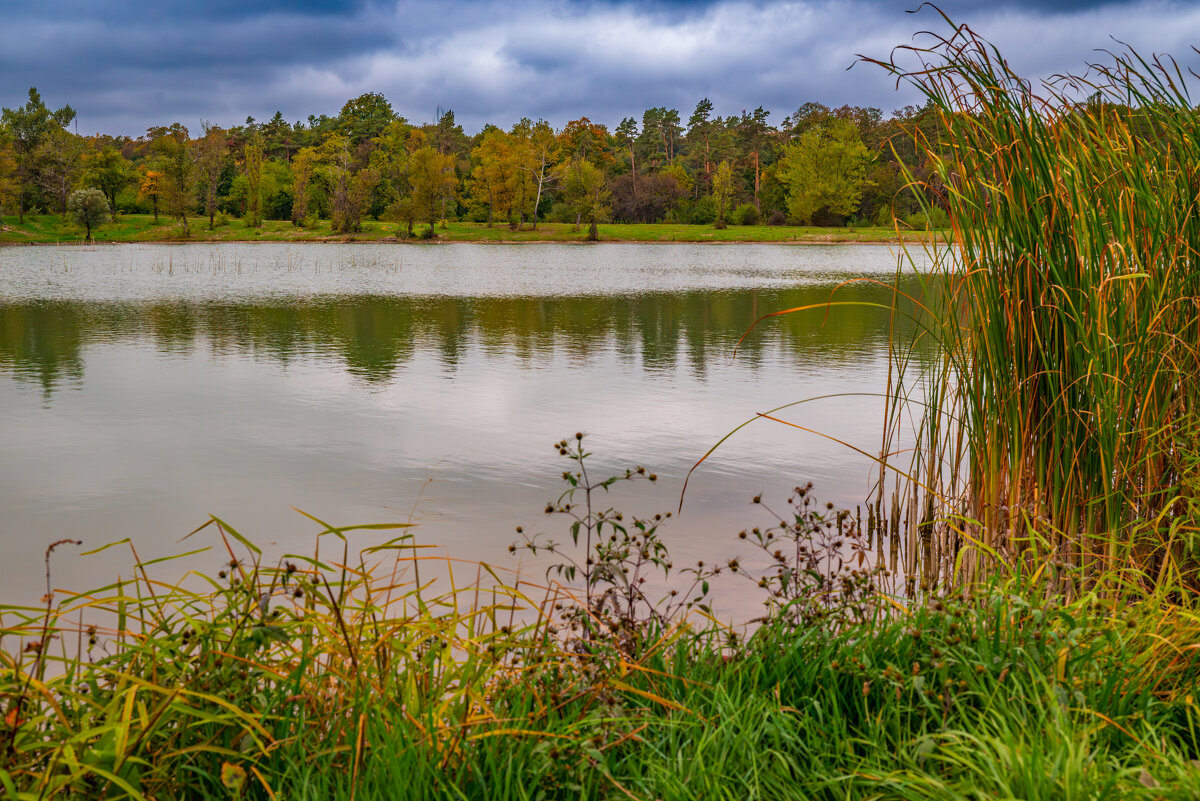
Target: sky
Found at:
125, 65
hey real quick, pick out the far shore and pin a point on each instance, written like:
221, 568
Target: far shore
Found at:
139, 229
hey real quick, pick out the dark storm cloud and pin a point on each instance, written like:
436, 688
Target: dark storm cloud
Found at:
129, 65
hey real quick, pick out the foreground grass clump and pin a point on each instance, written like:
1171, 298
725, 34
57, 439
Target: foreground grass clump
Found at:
382, 677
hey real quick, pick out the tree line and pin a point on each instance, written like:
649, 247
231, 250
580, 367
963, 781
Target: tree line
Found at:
821, 165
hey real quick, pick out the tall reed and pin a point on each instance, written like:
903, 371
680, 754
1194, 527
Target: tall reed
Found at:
1058, 420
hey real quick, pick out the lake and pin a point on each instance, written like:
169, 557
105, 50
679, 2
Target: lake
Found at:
143, 388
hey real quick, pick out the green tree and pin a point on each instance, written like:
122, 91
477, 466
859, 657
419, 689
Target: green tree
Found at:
89, 208
722, 192
699, 132
108, 171
587, 193
303, 164
433, 182
177, 167
365, 117
211, 162
352, 184
59, 159
28, 127
825, 168
626, 135
253, 169
753, 129
389, 158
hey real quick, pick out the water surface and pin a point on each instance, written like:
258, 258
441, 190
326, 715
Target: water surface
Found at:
143, 388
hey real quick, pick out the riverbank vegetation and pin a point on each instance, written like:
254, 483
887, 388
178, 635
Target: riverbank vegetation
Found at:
1036, 639
397, 673
370, 169
42, 229
1057, 427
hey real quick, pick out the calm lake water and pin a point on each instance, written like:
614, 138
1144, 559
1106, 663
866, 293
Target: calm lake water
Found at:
143, 388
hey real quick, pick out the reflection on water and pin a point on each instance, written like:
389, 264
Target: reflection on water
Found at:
44, 341
141, 390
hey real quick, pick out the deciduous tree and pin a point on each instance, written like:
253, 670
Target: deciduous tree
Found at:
825, 168
365, 117
492, 173
109, 171
723, 192
586, 191
433, 182
149, 188
537, 150
89, 208
214, 155
8, 173
177, 165
59, 159
253, 169
303, 164
28, 126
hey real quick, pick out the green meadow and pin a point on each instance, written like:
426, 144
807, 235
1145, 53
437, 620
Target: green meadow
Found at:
53, 229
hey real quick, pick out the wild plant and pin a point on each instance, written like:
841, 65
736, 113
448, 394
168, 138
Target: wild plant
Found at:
615, 572
819, 569
1050, 426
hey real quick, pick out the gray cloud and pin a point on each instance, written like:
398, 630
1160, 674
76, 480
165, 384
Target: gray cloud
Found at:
132, 65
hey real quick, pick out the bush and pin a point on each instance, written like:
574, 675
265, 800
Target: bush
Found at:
922, 221
561, 212
777, 218
745, 214
704, 212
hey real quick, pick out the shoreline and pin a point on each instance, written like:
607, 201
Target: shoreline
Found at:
440, 242
141, 229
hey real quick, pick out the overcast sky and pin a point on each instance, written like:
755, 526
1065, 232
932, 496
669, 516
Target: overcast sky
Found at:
128, 64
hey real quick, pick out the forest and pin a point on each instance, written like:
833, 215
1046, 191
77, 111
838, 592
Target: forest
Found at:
820, 166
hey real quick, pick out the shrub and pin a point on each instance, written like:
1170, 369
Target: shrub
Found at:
745, 214
924, 221
777, 218
704, 211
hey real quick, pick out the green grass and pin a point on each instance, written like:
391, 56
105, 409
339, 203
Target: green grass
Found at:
48, 229
377, 675
368, 684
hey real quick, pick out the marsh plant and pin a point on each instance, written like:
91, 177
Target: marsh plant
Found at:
1058, 424
818, 567
615, 571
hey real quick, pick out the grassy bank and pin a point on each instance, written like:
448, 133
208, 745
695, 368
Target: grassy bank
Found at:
50, 229
375, 676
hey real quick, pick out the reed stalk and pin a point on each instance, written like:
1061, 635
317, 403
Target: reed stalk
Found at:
1057, 422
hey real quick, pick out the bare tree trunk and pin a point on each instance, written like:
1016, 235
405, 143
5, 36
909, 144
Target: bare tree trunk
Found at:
756, 175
